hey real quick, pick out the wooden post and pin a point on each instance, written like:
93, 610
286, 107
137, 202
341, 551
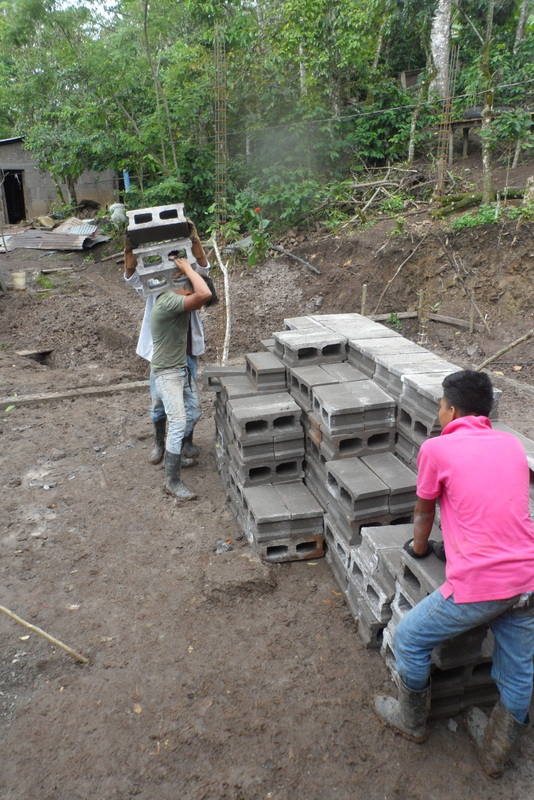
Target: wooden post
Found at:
471, 318
421, 334
364, 300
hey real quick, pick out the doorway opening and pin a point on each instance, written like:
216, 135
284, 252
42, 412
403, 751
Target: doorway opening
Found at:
12, 182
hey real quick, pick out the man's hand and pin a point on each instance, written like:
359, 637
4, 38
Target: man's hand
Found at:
183, 265
410, 548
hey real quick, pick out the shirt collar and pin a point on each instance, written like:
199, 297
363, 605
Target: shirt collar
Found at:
469, 422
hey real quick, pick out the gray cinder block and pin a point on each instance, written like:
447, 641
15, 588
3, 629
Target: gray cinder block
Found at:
211, 376
362, 353
267, 344
275, 511
406, 449
266, 371
302, 380
291, 549
353, 406
301, 348
362, 444
391, 369
400, 480
157, 272
301, 324
234, 386
157, 224
264, 416
356, 488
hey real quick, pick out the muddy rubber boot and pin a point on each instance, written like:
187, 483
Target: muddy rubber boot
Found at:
156, 454
173, 484
408, 714
495, 737
189, 450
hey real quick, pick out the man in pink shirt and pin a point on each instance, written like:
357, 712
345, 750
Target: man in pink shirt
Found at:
480, 477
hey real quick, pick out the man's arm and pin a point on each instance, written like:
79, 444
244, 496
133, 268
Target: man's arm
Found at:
196, 245
201, 294
423, 519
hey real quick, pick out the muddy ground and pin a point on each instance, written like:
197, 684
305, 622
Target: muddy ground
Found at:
211, 677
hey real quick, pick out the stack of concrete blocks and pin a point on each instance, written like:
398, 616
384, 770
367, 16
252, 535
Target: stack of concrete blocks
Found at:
154, 233
260, 455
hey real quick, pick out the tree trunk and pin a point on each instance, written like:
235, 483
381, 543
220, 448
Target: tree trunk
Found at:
71, 190
380, 42
522, 21
517, 153
421, 97
440, 44
487, 111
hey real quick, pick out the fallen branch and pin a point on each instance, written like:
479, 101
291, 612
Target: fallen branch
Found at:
504, 350
112, 256
227, 302
388, 284
307, 264
459, 323
46, 635
93, 391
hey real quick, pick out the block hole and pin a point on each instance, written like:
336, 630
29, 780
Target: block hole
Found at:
332, 350
411, 579
355, 571
345, 496
294, 382
156, 283
351, 445
151, 261
403, 603
372, 595
332, 481
276, 550
169, 213
378, 440
255, 473
328, 533
286, 468
140, 219
306, 547
256, 426
306, 353
420, 432
283, 423
405, 418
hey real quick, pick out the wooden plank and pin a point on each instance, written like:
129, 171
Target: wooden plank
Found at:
397, 314
460, 323
86, 391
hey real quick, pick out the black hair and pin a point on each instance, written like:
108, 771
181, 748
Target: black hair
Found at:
469, 391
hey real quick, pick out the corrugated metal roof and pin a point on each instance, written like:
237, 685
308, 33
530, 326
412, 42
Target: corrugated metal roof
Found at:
77, 228
50, 240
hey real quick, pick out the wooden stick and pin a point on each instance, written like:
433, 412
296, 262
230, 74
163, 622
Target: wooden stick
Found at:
504, 350
364, 300
307, 264
398, 314
29, 399
113, 255
460, 323
227, 301
46, 635
388, 284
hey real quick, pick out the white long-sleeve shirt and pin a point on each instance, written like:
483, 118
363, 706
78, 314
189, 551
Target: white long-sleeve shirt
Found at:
144, 343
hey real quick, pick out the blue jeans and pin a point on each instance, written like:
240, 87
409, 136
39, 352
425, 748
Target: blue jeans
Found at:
435, 619
191, 398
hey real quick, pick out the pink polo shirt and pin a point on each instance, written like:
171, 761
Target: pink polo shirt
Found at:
481, 478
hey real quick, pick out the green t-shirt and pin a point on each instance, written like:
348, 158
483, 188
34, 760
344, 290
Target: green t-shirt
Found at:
169, 324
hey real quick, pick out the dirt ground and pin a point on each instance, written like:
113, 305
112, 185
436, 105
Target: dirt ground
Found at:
211, 677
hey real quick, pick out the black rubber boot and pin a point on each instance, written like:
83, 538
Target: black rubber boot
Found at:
495, 737
173, 484
156, 454
408, 714
189, 450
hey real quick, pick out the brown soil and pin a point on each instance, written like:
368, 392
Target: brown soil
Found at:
211, 676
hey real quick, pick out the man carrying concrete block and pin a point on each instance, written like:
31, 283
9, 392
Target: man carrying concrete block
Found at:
480, 477
196, 347
169, 325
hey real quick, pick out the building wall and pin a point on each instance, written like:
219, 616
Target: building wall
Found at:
39, 189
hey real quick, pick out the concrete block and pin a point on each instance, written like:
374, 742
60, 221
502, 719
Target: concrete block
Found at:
370, 629
391, 369
414, 425
211, 376
291, 549
234, 386
377, 598
275, 511
251, 453
267, 344
301, 380
338, 570
302, 348
301, 324
289, 448
335, 541
362, 352
363, 444
400, 480
266, 371
357, 488
264, 415
157, 224
421, 576
269, 472
376, 541
354, 326
353, 406
155, 269
406, 449
461, 650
